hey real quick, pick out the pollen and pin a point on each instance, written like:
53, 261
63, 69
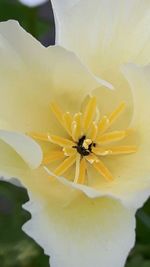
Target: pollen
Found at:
88, 141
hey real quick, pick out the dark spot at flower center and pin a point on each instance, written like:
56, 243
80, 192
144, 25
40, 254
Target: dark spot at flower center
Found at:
82, 150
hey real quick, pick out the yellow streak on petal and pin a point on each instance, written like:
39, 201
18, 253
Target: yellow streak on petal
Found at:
57, 112
101, 168
92, 158
112, 137
76, 126
118, 150
82, 172
107, 121
103, 124
89, 113
63, 142
65, 165
116, 113
52, 156
100, 151
59, 115
39, 136
68, 151
68, 122
93, 131
78, 158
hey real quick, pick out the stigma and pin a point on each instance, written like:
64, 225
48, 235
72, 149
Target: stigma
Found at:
84, 146
89, 140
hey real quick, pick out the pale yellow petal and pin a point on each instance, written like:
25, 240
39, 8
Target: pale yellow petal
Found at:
91, 28
11, 164
24, 146
29, 72
81, 233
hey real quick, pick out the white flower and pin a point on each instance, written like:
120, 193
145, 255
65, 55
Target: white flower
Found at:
81, 219
32, 3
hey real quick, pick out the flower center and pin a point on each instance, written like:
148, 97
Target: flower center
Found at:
89, 140
84, 146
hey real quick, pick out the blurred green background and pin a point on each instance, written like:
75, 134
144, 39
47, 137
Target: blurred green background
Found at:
16, 248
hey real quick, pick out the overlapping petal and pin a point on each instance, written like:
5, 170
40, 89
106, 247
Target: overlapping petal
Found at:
33, 79
104, 33
86, 232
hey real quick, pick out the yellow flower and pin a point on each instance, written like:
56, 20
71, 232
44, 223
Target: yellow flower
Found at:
87, 171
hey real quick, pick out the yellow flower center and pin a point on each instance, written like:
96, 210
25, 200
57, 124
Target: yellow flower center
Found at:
89, 140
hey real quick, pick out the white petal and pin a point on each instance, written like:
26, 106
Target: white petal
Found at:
37, 76
104, 33
32, 3
85, 233
25, 147
11, 164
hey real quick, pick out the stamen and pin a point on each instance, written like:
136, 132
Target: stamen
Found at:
117, 150
76, 126
92, 158
103, 124
68, 122
78, 158
89, 113
82, 172
52, 156
116, 113
57, 112
63, 142
93, 131
101, 168
39, 136
100, 151
107, 121
87, 143
68, 151
112, 137
97, 115
65, 165
122, 150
